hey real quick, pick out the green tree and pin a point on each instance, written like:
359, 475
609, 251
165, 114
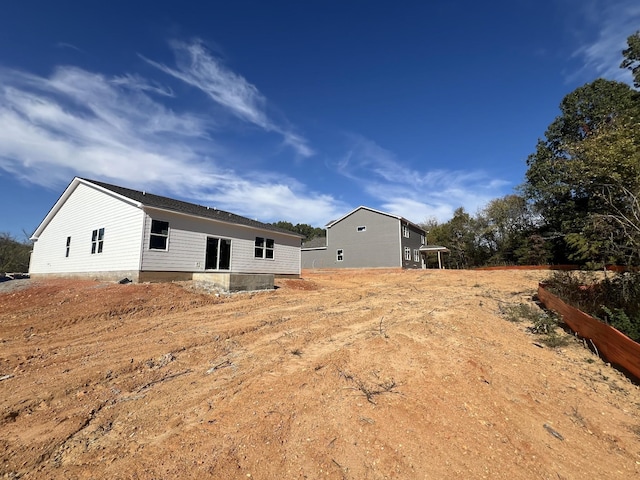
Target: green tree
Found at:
567, 173
632, 57
505, 224
14, 255
458, 235
611, 159
301, 228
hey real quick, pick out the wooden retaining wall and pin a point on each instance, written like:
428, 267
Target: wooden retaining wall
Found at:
614, 346
530, 267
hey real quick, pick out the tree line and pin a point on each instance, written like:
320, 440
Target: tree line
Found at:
580, 201
14, 255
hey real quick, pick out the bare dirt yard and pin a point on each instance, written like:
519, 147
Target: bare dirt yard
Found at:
339, 375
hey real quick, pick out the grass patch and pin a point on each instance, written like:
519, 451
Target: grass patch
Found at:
544, 324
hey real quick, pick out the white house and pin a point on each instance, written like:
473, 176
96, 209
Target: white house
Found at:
98, 230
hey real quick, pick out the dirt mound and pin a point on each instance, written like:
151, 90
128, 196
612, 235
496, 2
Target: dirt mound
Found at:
342, 374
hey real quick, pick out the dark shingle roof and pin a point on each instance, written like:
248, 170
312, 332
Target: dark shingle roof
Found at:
171, 204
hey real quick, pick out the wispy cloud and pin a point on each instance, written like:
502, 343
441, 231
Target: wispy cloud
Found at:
197, 67
120, 129
415, 194
611, 24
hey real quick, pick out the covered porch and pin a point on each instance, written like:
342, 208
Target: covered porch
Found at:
427, 250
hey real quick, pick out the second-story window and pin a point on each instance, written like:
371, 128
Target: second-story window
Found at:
405, 231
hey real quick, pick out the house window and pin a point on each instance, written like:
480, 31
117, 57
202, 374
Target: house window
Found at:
159, 238
97, 240
339, 255
68, 247
416, 255
362, 228
407, 253
422, 239
405, 231
264, 247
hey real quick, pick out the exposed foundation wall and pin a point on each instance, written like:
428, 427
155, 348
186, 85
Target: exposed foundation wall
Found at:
236, 282
156, 277
231, 282
100, 276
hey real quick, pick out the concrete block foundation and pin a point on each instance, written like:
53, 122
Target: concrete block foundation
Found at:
237, 282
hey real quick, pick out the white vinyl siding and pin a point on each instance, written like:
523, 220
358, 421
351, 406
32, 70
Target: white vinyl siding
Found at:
70, 230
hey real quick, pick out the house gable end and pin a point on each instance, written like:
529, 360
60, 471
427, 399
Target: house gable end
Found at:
71, 188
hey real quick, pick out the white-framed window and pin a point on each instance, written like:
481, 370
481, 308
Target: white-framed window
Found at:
405, 231
416, 255
339, 255
407, 253
422, 239
68, 247
264, 247
362, 228
159, 237
97, 240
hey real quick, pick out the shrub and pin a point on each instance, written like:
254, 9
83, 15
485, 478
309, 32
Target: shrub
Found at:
615, 300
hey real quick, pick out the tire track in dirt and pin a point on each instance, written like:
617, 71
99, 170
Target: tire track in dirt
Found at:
341, 375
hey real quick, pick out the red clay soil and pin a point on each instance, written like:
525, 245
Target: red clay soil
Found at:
339, 375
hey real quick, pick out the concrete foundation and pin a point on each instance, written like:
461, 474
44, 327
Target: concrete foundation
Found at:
157, 277
98, 276
230, 282
237, 282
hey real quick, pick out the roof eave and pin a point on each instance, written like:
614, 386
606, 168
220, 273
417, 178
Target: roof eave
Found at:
201, 217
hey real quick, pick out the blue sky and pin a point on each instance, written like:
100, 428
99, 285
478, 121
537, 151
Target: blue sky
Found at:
296, 111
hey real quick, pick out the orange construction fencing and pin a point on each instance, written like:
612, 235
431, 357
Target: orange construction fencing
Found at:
613, 345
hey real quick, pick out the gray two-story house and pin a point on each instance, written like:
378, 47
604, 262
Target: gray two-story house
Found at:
366, 238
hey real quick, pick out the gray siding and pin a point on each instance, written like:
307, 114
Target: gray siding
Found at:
414, 242
187, 246
378, 245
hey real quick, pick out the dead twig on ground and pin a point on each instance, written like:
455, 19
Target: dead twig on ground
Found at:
163, 379
225, 363
370, 391
381, 329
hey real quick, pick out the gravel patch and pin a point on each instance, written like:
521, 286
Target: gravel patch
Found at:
8, 285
